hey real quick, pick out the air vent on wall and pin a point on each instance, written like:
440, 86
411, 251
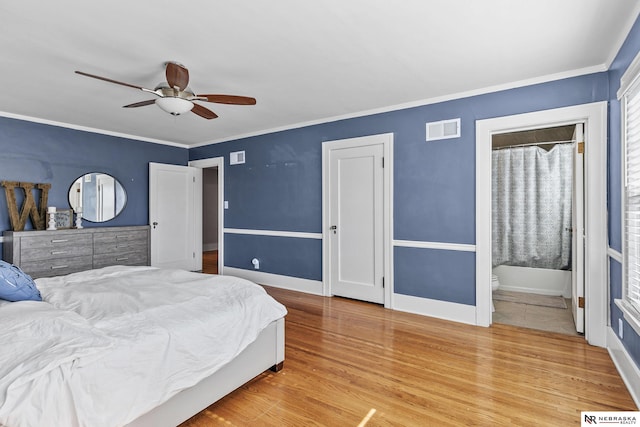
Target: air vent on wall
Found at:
236, 158
443, 129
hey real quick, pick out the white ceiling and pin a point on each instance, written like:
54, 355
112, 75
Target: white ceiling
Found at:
304, 62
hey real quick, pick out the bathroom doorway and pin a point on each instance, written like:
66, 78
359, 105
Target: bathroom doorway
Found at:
596, 269
536, 193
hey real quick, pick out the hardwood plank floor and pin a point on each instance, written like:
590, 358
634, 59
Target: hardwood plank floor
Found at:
346, 359
210, 262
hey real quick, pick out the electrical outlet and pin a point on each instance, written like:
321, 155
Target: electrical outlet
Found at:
620, 328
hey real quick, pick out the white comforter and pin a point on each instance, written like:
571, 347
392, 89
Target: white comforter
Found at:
109, 345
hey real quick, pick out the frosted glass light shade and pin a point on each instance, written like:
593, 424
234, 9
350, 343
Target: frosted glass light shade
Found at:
175, 106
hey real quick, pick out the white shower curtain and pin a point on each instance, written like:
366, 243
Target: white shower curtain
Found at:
531, 203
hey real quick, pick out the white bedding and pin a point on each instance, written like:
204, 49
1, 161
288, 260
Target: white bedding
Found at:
109, 345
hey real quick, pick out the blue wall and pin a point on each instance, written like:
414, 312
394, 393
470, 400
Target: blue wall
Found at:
33, 152
280, 188
627, 53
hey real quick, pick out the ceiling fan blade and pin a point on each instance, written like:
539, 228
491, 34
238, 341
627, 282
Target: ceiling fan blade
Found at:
203, 112
177, 76
229, 99
113, 81
140, 104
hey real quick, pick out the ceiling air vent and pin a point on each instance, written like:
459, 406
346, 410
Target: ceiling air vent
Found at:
444, 129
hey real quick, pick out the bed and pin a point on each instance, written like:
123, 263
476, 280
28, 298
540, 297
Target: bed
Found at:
135, 346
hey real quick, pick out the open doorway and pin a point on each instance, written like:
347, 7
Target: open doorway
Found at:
536, 194
210, 227
212, 205
594, 117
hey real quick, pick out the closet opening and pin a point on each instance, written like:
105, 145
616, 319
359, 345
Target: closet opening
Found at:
537, 217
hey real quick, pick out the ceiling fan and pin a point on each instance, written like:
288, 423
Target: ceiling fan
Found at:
175, 97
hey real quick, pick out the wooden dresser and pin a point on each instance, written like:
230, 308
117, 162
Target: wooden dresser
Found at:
54, 253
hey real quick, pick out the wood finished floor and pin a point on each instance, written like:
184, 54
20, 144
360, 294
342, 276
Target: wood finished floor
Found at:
345, 358
210, 262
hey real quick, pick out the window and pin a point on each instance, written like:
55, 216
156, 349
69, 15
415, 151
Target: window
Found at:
629, 96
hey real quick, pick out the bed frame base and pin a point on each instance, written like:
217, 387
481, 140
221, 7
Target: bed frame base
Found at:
266, 352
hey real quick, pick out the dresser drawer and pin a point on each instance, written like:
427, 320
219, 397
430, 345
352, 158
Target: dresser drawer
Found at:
51, 247
57, 267
121, 242
124, 258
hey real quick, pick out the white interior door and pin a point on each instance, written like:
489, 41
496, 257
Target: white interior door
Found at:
356, 221
577, 239
175, 216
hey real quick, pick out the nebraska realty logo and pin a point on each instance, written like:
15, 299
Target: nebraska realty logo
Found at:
610, 418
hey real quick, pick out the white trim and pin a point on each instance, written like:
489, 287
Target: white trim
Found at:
277, 280
625, 365
428, 101
629, 81
630, 77
594, 115
435, 245
92, 130
614, 254
387, 140
275, 233
632, 73
433, 308
1, 239
216, 162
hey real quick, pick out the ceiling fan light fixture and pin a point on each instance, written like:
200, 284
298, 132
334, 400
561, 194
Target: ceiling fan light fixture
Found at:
174, 106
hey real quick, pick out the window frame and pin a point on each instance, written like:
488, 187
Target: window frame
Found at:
629, 89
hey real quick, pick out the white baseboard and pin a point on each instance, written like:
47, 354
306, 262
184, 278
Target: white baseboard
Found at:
276, 280
209, 246
433, 308
628, 370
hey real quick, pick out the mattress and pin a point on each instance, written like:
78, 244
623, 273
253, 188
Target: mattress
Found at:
106, 346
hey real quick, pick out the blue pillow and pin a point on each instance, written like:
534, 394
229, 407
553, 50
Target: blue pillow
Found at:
16, 285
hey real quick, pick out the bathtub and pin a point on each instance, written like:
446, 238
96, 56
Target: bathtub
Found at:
541, 281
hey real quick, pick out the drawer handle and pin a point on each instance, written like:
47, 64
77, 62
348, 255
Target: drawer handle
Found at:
58, 252
122, 259
59, 240
121, 246
55, 267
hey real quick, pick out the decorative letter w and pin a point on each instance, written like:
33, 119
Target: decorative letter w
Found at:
38, 214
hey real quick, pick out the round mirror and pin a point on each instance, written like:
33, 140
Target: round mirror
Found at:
97, 197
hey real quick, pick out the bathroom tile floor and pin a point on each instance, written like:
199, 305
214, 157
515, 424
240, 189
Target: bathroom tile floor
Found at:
535, 317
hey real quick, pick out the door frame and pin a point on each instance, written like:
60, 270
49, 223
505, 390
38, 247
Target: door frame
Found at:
577, 226
594, 116
214, 162
387, 141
